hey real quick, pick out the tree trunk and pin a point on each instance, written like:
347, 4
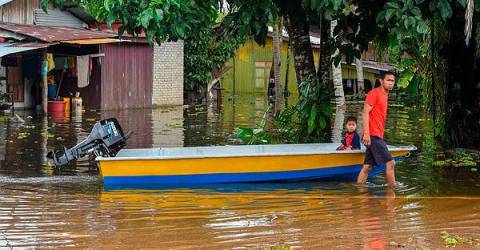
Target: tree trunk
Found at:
287, 70
324, 58
337, 74
277, 46
338, 123
299, 32
360, 90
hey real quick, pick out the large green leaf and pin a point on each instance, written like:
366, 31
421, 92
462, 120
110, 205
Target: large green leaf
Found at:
312, 125
326, 110
393, 5
422, 27
322, 122
445, 9
389, 13
405, 79
145, 19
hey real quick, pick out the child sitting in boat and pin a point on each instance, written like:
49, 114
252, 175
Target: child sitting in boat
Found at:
351, 139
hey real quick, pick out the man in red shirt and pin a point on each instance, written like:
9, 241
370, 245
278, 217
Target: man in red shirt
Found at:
374, 120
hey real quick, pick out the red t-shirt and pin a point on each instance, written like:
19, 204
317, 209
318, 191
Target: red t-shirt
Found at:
349, 139
378, 115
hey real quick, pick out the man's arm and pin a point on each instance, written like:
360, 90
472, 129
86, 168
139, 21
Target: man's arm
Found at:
366, 119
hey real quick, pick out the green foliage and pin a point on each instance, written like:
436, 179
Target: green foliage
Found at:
161, 20
205, 54
309, 120
306, 122
258, 135
404, 21
249, 18
351, 18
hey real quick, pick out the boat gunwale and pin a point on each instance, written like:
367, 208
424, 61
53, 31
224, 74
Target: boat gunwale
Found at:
261, 154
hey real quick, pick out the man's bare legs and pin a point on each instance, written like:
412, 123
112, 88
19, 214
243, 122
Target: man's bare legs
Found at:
363, 175
389, 173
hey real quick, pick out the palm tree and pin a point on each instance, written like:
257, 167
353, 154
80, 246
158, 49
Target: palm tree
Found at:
277, 43
469, 20
287, 69
360, 80
337, 74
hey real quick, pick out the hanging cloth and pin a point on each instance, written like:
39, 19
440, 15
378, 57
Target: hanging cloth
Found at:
51, 62
71, 72
71, 62
83, 71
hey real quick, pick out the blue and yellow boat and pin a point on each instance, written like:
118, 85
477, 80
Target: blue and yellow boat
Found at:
229, 164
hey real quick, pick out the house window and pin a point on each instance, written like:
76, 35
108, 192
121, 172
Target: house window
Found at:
262, 71
348, 85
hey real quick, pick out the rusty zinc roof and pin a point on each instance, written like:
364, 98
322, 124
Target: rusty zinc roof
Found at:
55, 34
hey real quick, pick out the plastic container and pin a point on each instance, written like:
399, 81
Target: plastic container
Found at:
77, 104
67, 103
56, 106
52, 91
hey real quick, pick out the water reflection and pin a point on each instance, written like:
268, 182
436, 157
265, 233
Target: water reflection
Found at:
314, 215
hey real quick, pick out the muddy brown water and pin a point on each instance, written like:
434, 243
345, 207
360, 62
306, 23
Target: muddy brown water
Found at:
45, 207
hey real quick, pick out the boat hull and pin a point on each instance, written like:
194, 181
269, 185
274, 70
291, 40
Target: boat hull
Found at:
334, 173
338, 166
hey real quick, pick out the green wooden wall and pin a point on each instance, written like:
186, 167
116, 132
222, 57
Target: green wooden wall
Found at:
250, 68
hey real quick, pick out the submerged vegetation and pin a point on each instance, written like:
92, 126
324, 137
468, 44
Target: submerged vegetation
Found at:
455, 240
459, 158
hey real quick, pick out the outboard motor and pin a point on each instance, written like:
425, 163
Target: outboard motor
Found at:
105, 140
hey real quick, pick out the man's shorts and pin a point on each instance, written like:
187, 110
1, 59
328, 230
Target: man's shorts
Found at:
377, 152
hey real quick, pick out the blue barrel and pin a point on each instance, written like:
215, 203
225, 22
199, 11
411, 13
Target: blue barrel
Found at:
52, 90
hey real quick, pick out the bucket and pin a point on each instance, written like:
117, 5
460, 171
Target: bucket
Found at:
56, 106
67, 103
58, 117
52, 90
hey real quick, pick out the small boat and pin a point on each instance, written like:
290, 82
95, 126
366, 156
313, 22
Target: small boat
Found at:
233, 164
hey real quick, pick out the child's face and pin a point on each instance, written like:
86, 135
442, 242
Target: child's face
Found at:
351, 126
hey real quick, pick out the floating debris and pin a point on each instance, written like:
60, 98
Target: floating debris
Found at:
5, 118
47, 134
454, 240
22, 135
17, 118
458, 158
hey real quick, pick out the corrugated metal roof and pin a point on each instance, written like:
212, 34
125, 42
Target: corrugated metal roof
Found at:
378, 65
80, 13
9, 48
32, 44
2, 2
95, 41
55, 34
56, 18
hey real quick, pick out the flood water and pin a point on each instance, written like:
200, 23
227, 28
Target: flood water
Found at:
45, 207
